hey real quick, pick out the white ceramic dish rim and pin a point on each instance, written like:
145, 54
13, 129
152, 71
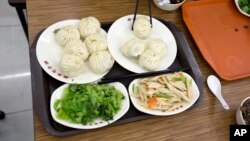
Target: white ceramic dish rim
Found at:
168, 6
172, 3
238, 7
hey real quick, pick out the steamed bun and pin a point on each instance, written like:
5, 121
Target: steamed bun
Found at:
71, 65
133, 47
88, 26
100, 62
66, 34
77, 47
158, 46
142, 27
96, 42
149, 60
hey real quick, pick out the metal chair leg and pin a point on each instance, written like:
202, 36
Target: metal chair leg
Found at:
23, 20
2, 115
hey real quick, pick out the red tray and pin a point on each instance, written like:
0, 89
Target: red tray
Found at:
222, 34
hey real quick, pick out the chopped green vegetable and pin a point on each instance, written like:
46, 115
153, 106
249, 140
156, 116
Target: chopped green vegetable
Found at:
177, 79
188, 82
163, 95
244, 5
55, 31
135, 89
84, 103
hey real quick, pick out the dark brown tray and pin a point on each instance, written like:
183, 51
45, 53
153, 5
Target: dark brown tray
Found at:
43, 85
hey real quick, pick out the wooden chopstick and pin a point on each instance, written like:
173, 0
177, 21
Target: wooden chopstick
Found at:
139, 75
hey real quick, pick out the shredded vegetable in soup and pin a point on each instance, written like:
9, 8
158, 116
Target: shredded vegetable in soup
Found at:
166, 92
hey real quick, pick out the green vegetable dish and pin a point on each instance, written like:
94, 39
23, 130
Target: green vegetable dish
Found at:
245, 5
84, 103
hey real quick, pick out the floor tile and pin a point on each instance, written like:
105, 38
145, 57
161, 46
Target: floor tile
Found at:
15, 85
13, 46
8, 14
16, 93
17, 127
13, 49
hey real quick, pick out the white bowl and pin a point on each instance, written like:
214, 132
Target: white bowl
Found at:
238, 7
239, 117
168, 7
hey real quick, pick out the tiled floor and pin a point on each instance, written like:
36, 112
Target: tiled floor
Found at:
15, 83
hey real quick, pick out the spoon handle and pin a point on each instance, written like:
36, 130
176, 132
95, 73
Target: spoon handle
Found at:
223, 102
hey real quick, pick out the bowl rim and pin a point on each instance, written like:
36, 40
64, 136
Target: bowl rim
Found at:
244, 100
241, 116
175, 4
238, 7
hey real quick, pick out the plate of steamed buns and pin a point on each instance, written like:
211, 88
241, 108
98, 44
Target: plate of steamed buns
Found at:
75, 51
145, 48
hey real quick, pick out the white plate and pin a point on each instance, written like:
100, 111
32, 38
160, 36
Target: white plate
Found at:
58, 93
238, 7
49, 54
136, 103
120, 32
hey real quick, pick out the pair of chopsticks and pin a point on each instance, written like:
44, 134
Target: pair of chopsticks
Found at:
139, 75
136, 9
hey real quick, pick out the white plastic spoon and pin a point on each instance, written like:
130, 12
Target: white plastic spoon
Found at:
215, 86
